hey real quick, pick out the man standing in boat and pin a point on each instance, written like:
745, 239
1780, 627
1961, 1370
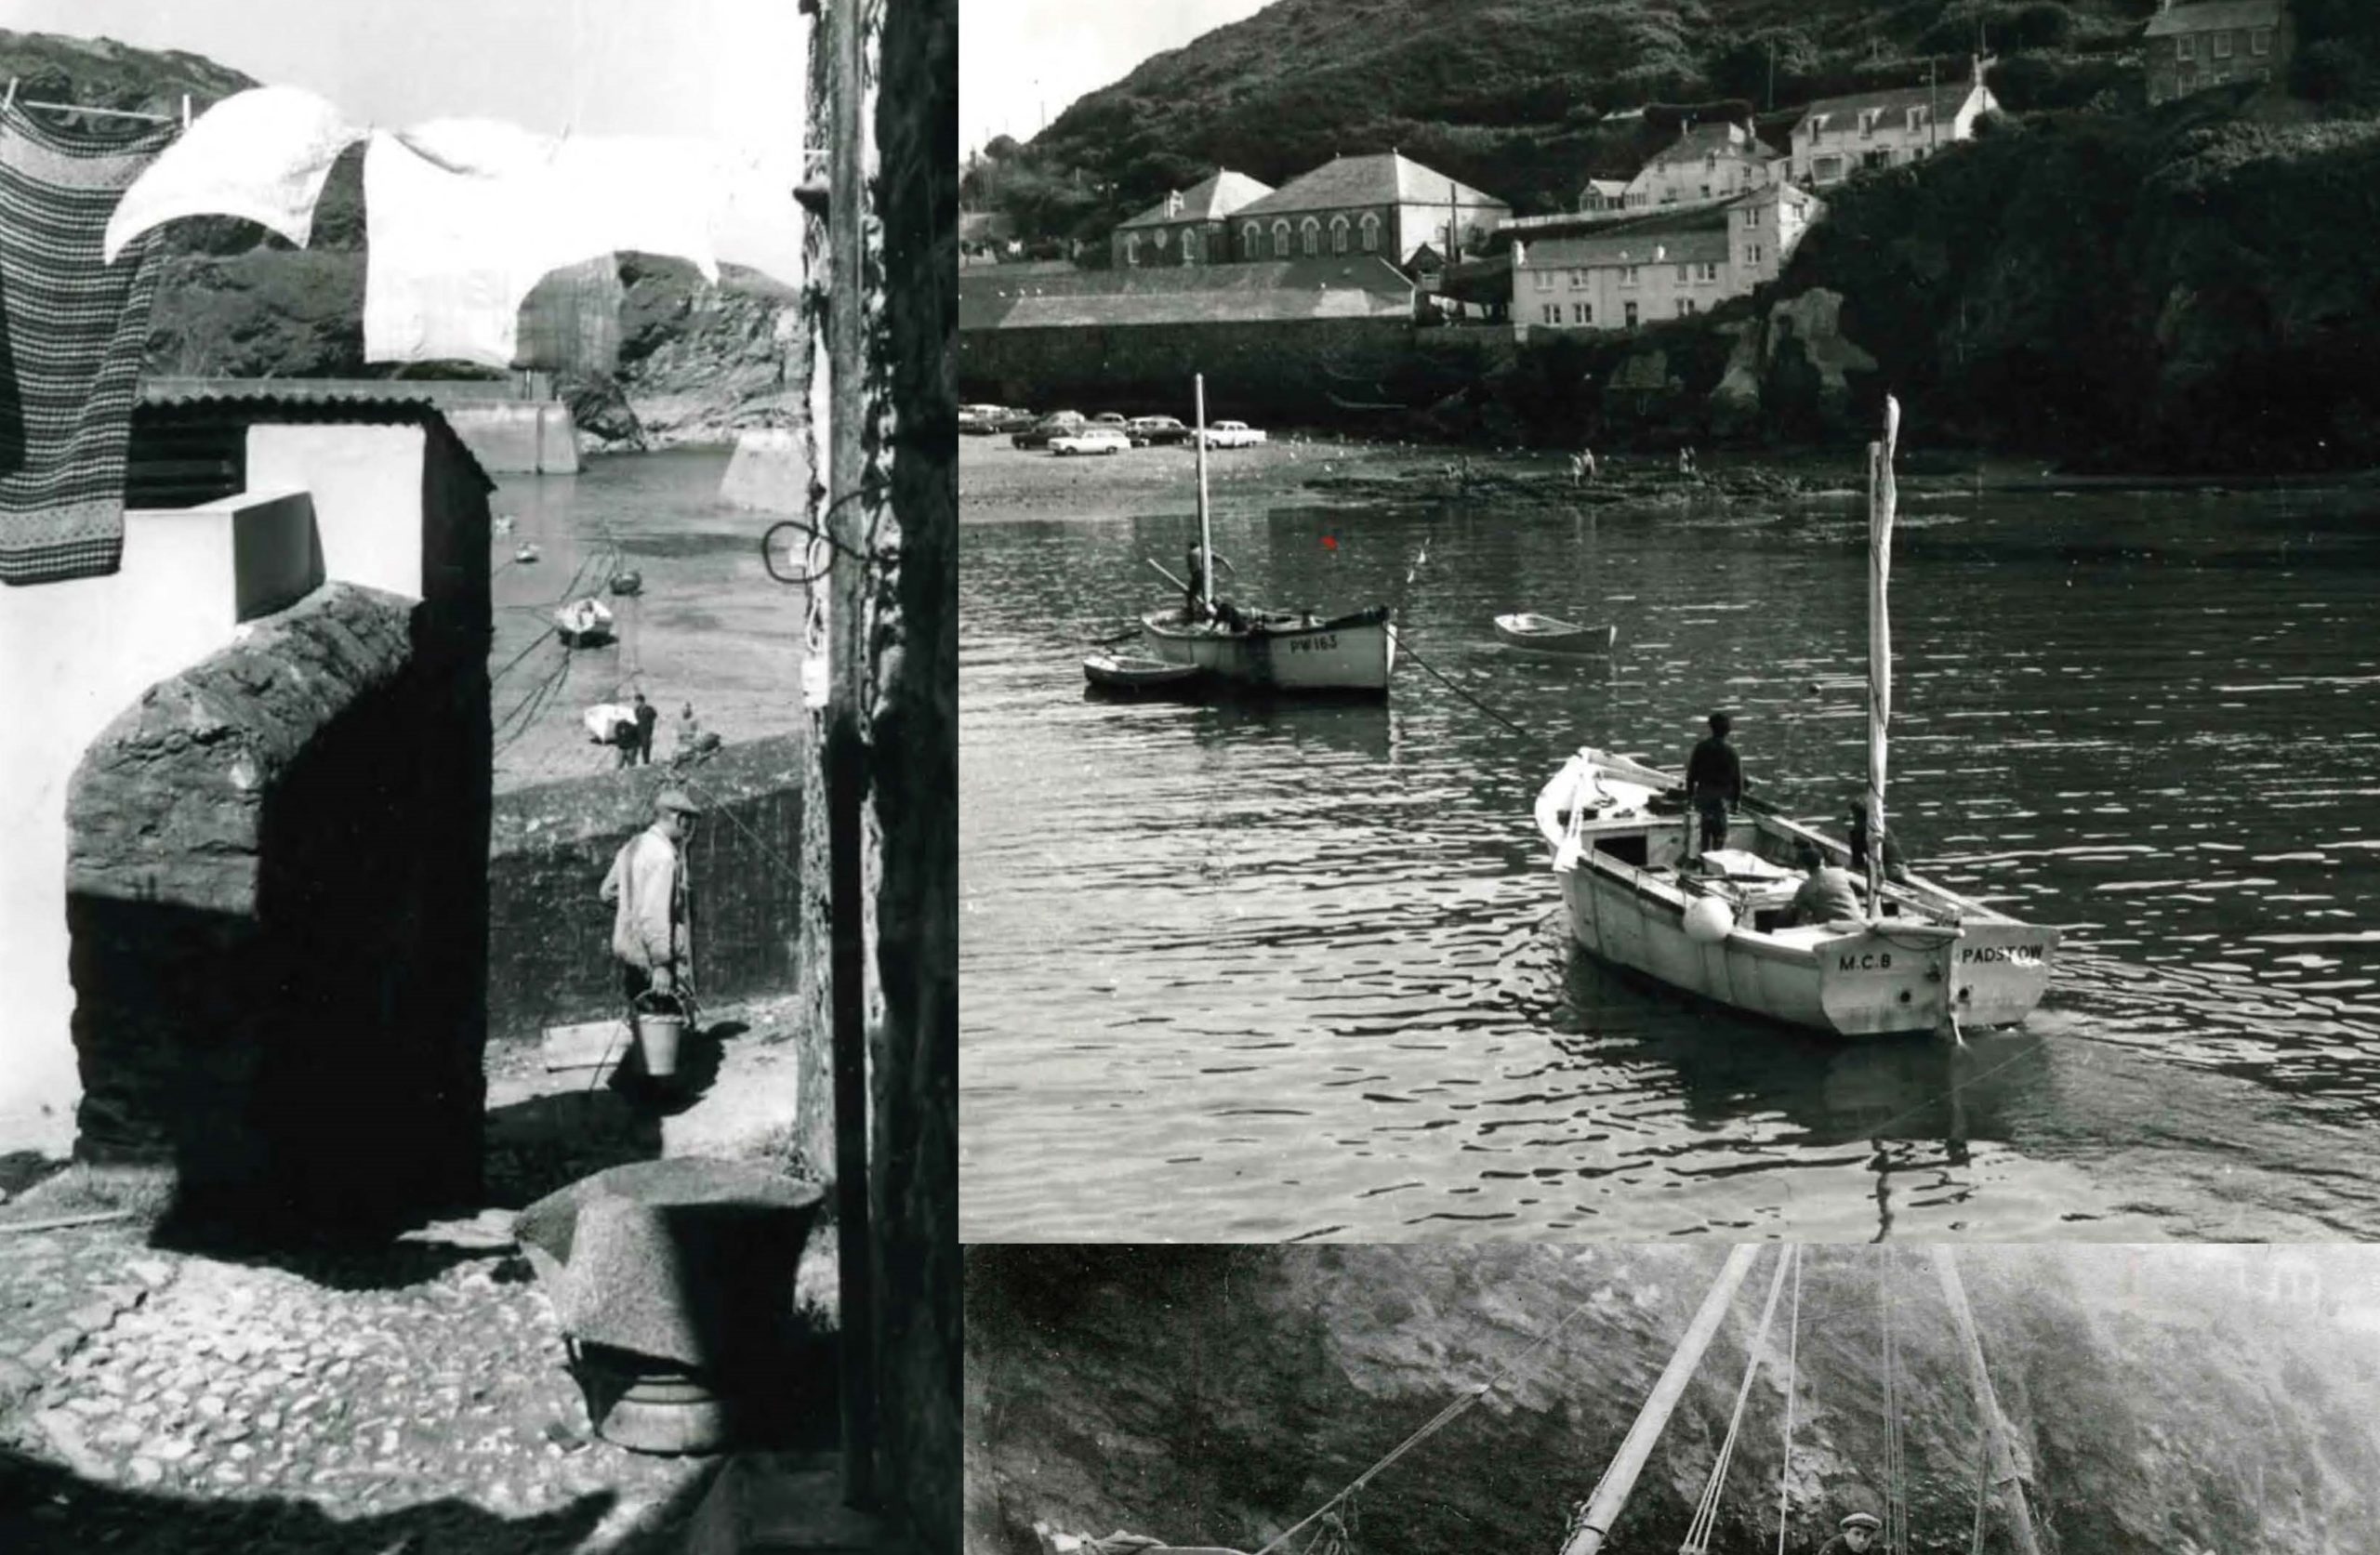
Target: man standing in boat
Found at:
1854, 1535
1895, 869
1715, 782
1194, 604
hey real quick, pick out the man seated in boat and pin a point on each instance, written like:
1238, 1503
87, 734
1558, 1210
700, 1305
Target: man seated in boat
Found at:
1714, 780
1854, 1535
1827, 894
1894, 868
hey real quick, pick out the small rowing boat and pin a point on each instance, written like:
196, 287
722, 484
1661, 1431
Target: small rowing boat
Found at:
1136, 674
1544, 634
584, 623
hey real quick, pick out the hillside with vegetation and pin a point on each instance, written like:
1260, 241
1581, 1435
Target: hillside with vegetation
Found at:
235, 300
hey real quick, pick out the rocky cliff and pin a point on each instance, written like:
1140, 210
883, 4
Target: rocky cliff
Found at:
697, 361
1215, 1396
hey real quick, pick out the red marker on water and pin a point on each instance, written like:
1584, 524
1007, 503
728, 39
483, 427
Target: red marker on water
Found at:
1330, 542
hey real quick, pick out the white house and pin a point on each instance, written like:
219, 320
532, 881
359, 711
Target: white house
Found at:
1621, 275
1837, 136
1706, 163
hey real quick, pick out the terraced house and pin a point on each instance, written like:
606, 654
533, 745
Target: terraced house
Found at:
1706, 163
1837, 136
1188, 227
1618, 275
1380, 203
2215, 42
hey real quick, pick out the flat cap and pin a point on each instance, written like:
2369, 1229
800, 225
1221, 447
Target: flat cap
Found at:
674, 799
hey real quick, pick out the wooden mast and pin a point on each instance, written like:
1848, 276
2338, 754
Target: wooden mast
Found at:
2003, 1462
1611, 1495
1206, 534
1881, 497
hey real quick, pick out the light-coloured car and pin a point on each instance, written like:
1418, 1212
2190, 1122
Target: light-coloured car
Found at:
1092, 440
1233, 434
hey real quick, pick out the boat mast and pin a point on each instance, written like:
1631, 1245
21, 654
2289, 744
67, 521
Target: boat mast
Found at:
1882, 497
2002, 1460
1611, 1494
1206, 534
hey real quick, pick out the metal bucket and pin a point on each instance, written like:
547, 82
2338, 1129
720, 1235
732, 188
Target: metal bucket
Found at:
660, 1024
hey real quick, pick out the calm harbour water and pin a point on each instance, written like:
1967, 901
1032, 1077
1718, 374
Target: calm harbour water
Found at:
1258, 972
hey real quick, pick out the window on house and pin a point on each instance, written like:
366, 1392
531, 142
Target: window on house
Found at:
2260, 41
1132, 249
1706, 191
1827, 169
1190, 246
1247, 241
1710, 160
1686, 308
1669, 197
1684, 274
1628, 277
1339, 235
1280, 240
1310, 237
1881, 157
1630, 308
1751, 219
2186, 47
1751, 254
1372, 234
1581, 313
2223, 44
1709, 271
1553, 312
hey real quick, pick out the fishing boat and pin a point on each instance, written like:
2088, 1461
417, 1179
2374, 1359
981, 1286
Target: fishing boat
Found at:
584, 623
1713, 922
1267, 650
1136, 674
1533, 633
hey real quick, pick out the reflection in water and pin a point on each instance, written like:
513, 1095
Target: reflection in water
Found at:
1264, 970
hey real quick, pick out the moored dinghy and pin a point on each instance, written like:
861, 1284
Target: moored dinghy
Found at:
1923, 959
1533, 633
1138, 675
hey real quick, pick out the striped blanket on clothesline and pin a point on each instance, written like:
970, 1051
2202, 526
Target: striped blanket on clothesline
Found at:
72, 329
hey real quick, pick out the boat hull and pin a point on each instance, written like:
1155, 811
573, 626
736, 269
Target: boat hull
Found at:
1944, 959
1542, 634
1133, 675
1353, 654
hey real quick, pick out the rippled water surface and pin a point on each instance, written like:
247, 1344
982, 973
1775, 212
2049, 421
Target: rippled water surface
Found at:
1261, 972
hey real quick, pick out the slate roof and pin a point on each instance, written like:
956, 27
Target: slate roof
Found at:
1703, 139
2212, 14
1946, 99
1211, 198
1697, 236
1358, 287
1380, 178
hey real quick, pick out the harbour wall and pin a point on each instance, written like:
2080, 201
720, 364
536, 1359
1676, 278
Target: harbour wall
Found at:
1272, 369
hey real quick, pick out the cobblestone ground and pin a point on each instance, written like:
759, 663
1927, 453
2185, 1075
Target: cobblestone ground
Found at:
407, 1398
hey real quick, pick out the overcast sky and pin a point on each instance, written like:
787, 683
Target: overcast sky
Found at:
1020, 59
727, 69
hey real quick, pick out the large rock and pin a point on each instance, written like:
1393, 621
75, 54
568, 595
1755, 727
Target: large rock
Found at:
1790, 369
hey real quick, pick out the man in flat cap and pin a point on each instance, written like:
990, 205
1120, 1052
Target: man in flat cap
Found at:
647, 889
1854, 1535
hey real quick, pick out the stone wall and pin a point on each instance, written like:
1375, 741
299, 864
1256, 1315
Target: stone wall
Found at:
1253, 370
277, 891
550, 936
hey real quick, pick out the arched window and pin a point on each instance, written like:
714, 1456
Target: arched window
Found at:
1189, 245
1338, 234
1161, 239
1371, 232
1310, 237
1133, 248
1280, 240
1247, 241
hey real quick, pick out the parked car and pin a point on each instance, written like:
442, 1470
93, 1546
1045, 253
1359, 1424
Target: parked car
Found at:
1013, 420
1092, 440
1056, 424
1146, 430
982, 420
1233, 434
1108, 418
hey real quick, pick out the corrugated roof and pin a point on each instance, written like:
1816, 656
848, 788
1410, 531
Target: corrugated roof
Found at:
1209, 199
1364, 287
1946, 98
2213, 14
1380, 178
399, 404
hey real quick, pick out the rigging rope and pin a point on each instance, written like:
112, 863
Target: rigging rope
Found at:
1706, 1511
1895, 1497
1435, 1421
1982, 1485
1792, 1371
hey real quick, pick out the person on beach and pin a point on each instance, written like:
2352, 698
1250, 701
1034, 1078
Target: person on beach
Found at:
647, 717
646, 887
623, 741
1827, 894
1854, 1535
1714, 780
689, 732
